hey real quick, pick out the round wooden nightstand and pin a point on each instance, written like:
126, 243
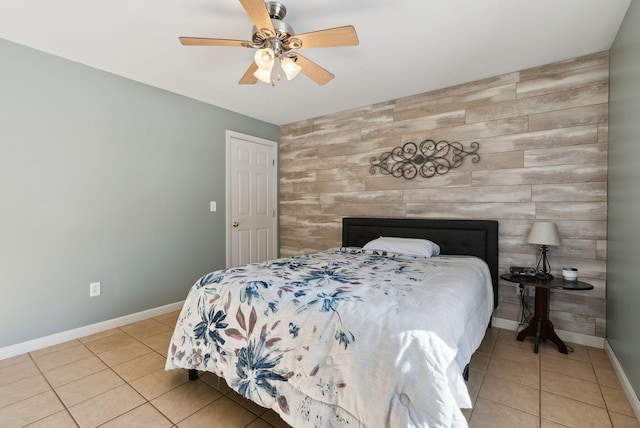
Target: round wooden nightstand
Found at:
540, 326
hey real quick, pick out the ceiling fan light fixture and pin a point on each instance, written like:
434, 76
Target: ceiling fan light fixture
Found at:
263, 75
290, 68
264, 58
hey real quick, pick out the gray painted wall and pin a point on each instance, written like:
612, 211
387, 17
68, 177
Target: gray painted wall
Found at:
103, 179
623, 280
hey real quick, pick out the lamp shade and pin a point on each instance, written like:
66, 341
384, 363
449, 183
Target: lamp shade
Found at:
263, 75
291, 69
544, 233
264, 58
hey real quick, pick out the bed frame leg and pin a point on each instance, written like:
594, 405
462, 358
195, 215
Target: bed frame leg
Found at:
193, 374
465, 373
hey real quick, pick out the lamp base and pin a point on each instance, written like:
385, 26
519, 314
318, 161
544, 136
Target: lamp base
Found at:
543, 265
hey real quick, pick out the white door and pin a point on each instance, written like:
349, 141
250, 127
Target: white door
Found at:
252, 184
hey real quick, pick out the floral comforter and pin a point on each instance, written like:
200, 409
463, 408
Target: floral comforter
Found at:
342, 337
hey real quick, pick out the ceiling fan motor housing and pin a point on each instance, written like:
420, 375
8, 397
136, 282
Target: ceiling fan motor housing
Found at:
277, 12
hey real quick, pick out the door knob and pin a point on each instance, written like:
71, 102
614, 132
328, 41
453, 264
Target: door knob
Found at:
235, 224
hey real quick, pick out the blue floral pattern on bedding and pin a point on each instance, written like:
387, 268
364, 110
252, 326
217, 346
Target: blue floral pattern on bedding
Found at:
283, 332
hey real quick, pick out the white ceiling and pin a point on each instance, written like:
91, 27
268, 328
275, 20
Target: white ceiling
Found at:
406, 46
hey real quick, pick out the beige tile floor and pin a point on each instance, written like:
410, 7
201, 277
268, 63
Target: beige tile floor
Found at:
117, 379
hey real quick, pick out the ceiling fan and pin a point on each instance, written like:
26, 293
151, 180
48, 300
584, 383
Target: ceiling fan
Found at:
276, 45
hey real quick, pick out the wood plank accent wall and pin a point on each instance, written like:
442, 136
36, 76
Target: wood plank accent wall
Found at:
543, 146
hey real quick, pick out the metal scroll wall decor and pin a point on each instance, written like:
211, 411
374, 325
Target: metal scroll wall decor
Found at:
427, 158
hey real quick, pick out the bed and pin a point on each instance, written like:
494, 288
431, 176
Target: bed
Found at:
350, 336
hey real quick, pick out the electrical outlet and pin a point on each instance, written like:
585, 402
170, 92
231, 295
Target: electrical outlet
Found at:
94, 289
520, 290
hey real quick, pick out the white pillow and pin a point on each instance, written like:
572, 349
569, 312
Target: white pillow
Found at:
406, 246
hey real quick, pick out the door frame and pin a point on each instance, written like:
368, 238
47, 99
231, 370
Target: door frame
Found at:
275, 182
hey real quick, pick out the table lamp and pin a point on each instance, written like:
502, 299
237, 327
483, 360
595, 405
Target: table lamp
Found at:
544, 233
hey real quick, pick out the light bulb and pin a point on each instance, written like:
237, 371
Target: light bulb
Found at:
264, 58
291, 69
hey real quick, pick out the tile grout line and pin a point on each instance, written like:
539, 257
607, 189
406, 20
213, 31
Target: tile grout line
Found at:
539, 389
604, 400
126, 383
104, 392
54, 392
146, 401
67, 408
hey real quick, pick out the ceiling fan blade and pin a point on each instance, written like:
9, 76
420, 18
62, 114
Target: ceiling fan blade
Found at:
249, 78
313, 71
202, 41
257, 11
340, 36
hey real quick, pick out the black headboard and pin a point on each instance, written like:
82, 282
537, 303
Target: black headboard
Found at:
455, 237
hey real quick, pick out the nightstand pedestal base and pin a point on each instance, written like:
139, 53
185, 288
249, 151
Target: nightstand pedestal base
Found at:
539, 326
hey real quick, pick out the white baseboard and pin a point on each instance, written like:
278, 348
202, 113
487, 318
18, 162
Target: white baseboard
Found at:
626, 385
76, 333
567, 336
